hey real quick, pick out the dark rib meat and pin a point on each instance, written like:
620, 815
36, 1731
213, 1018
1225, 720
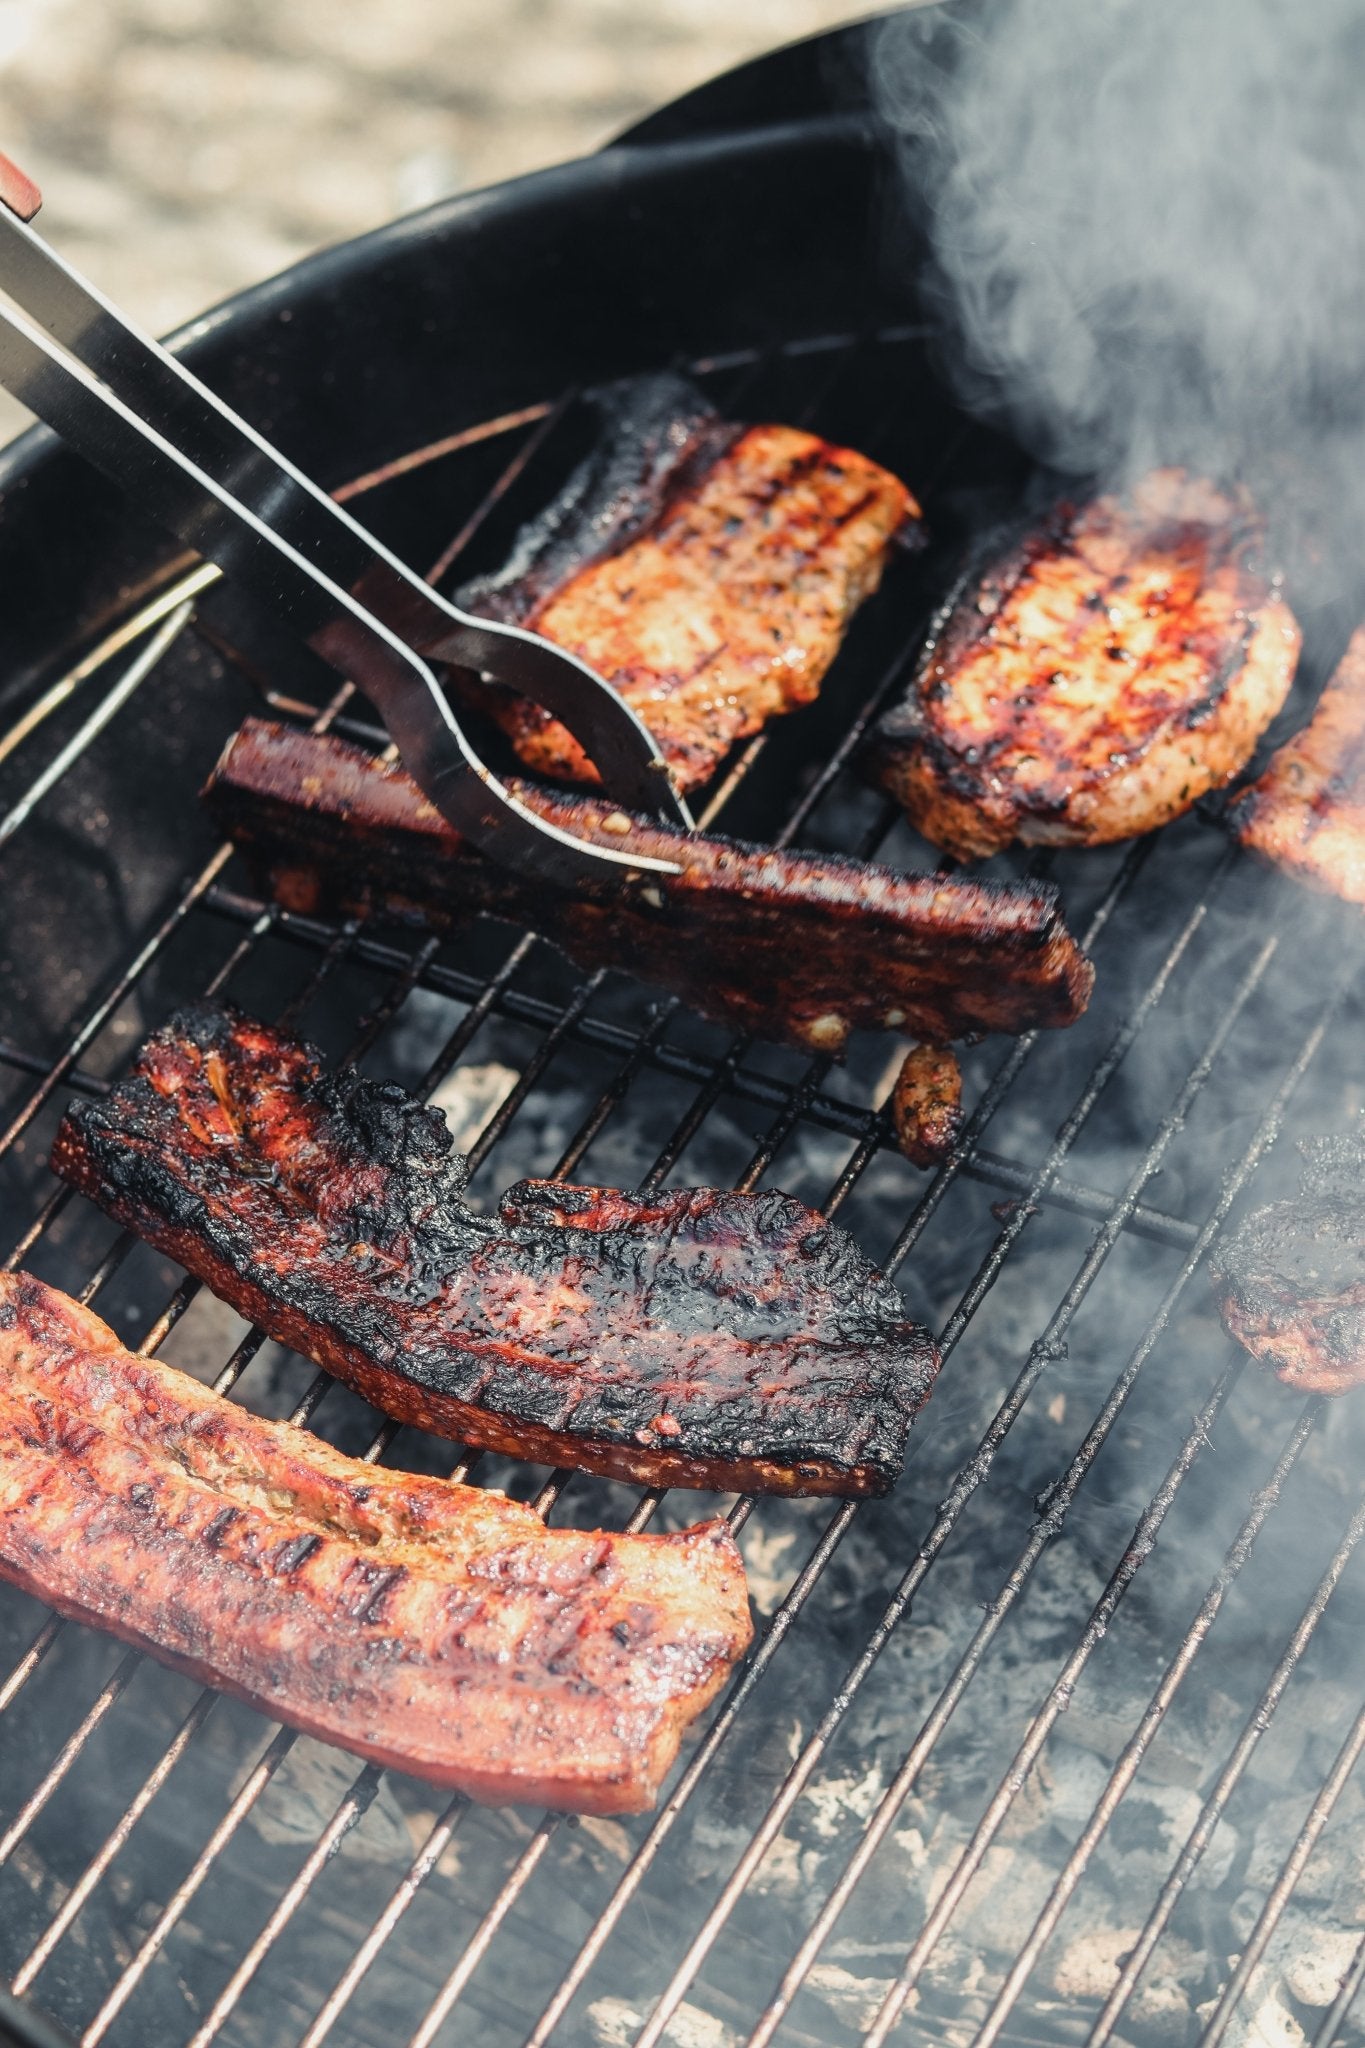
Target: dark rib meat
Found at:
441, 1629
1306, 814
691, 1338
708, 571
1290, 1281
800, 948
1098, 678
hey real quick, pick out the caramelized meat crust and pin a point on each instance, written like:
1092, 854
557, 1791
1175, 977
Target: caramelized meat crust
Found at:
1290, 1280
689, 1338
1306, 814
437, 1628
926, 1104
727, 608
1098, 678
799, 948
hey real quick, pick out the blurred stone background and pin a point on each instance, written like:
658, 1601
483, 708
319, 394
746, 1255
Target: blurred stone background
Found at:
188, 147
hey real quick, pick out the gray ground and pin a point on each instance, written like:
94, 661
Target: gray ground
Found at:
188, 147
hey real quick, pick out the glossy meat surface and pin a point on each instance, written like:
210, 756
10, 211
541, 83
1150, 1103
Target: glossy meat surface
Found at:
726, 607
1098, 678
1290, 1280
1306, 814
798, 948
926, 1104
688, 1338
434, 1627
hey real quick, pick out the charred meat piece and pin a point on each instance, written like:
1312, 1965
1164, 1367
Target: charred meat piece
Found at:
708, 571
1290, 1280
437, 1628
1098, 678
690, 1338
1306, 814
926, 1104
800, 948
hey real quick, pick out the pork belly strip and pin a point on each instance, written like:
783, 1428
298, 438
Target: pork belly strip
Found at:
690, 1338
799, 948
722, 610
1097, 678
1290, 1280
436, 1628
1306, 814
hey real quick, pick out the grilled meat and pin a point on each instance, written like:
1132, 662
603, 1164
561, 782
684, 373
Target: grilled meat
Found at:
712, 588
437, 1628
800, 948
1307, 812
690, 1338
1098, 678
1290, 1281
926, 1104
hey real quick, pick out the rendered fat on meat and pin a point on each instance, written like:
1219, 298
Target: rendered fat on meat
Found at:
1306, 814
708, 571
691, 1337
438, 1628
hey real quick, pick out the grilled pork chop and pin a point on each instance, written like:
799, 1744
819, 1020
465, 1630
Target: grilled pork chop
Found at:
715, 594
1290, 1281
690, 1338
1098, 678
1306, 814
437, 1628
800, 948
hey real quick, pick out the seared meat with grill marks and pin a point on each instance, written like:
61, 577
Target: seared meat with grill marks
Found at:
688, 1338
800, 948
708, 571
437, 1628
1098, 678
1307, 812
1290, 1281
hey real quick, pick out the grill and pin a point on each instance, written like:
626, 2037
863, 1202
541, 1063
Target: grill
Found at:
1056, 1745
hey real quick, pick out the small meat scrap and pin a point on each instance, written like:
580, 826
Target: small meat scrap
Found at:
709, 571
686, 1338
1290, 1280
1098, 678
1306, 814
437, 1628
926, 1105
800, 948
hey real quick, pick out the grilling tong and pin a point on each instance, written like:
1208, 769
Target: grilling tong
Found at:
143, 419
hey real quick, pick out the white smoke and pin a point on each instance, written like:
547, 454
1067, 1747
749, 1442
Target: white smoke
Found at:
1147, 228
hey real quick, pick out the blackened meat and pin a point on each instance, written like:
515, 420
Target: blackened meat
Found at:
438, 1628
1290, 1281
689, 1338
799, 948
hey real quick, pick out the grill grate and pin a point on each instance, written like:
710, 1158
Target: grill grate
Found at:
887, 1820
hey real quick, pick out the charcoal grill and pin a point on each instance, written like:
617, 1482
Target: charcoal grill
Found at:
1058, 1744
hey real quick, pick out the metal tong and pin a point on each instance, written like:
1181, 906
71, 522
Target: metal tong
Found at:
148, 423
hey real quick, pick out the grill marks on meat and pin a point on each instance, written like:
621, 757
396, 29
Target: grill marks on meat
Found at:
799, 948
1098, 678
723, 610
437, 1628
688, 1338
1306, 814
1290, 1280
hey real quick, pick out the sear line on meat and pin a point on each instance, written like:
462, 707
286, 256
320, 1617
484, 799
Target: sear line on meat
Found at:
437, 1628
684, 1338
1098, 678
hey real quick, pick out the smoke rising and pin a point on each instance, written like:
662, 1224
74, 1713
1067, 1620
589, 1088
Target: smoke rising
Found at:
1147, 227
